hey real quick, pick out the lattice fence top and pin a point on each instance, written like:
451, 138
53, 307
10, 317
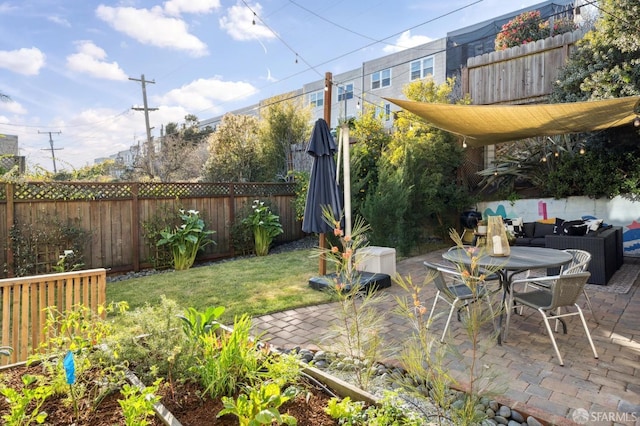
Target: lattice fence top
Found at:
53, 191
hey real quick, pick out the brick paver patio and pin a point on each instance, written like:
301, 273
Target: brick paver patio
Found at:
526, 367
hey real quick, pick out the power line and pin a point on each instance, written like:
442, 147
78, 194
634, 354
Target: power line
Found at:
146, 109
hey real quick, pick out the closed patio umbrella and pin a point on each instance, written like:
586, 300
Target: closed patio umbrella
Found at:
323, 189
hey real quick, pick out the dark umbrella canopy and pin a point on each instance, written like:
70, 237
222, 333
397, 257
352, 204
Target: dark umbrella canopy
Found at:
323, 190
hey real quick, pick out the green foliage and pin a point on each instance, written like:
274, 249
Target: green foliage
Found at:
606, 62
230, 360
265, 225
284, 122
196, 324
354, 413
529, 27
372, 140
159, 256
36, 247
234, 151
147, 336
385, 209
33, 394
187, 239
137, 404
301, 179
260, 406
241, 232
67, 262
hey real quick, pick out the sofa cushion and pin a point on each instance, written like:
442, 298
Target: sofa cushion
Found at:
528, 229
543, 229
574, 227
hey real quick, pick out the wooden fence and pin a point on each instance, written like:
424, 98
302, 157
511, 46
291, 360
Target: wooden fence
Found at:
24, 301
114, 214
520, 74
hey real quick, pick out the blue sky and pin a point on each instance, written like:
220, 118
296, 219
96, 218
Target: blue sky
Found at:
67, 64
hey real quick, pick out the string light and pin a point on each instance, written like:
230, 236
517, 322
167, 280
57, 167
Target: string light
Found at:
254, 18
464, 142
636, 122
582, 151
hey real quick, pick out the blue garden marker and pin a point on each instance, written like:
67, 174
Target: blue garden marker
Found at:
69, 368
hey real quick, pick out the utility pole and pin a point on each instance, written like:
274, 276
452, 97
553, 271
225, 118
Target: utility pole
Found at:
146, 109
53, 150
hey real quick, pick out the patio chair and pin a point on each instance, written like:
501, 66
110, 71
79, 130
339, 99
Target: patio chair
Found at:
552, 292
580, 263
456, 294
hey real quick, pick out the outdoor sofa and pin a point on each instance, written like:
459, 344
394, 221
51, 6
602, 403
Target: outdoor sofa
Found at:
604, 244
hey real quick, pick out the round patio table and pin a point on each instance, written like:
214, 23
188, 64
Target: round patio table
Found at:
519, 260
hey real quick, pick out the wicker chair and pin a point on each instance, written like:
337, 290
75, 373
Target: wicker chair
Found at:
456, 294
552, 293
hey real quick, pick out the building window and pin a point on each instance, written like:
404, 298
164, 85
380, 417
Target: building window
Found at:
421, 68
345, 92
316, 99
381, 79
384, 112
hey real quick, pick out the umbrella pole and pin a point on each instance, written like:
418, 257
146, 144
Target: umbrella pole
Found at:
323, 256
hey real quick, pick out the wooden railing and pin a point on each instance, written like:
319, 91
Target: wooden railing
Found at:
25, 299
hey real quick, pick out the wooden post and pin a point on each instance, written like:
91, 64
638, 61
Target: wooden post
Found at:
9, 190
135, 226
328, 89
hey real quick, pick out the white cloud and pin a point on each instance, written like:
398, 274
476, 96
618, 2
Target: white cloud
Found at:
205, 93
406, 41
60, 21
13, 107
6, 7
176, 7
152, 27
22, 61
90, 60
238, 23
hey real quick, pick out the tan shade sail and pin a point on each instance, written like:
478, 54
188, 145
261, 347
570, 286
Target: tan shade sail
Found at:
490, 124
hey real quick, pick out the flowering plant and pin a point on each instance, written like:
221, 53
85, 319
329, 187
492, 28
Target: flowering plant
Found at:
265, 224
186, 239
342, 253
529, 27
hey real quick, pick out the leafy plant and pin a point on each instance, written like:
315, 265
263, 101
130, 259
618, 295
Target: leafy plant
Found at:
301, 179
137, 404
187, 239
230, 359
30, 398
265, 224
198, 323
67, 262
260, 406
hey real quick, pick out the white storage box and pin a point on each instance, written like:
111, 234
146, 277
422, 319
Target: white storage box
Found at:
378, 260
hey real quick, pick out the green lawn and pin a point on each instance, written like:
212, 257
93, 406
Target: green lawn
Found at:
256, 285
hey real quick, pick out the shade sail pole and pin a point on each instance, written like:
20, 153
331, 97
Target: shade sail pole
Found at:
346, 178
328, 77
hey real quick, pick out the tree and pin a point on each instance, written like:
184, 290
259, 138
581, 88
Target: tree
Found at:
284, 123
372, 139
180, 153
606, 63
234, 151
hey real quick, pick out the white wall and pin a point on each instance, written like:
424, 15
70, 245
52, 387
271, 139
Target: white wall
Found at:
617, 211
